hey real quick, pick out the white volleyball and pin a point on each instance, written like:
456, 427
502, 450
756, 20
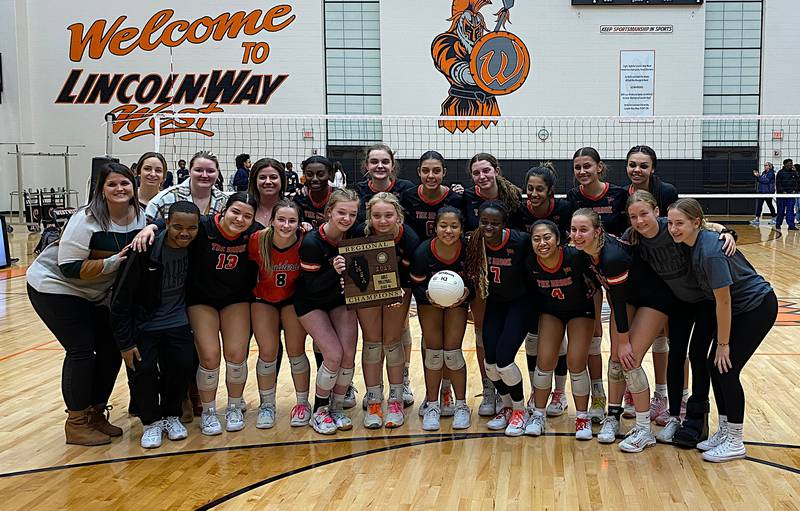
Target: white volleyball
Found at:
445, 288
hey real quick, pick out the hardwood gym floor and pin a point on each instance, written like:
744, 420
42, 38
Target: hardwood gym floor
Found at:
286, 468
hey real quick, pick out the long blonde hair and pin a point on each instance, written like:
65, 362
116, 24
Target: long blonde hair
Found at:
691, 208
340, 195
265, 242
639, 196
388, 198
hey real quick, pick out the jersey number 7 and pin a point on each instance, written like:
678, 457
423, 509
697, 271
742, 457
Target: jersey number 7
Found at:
495, 271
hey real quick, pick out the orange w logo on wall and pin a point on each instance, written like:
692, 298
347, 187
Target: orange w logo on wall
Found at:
479, 64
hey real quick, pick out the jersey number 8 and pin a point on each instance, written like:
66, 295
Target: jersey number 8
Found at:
280, 279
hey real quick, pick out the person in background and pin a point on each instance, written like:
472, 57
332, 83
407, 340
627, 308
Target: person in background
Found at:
786, 183
242, 176
182, 172
292, 180
766, 184
796, 201
339, 177
150, 176
199, 189
168, 180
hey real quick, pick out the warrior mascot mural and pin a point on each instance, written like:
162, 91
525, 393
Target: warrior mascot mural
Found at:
479, 64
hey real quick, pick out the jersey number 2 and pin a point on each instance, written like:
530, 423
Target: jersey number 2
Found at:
227, 261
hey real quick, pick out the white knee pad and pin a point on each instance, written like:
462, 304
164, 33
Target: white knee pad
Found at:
395, 356
615, 372
345, 377
491, 371
479, 340
636, 379
406, 337
299, 364
531, 344
562, 350
661, 345
266, 368
454, 359
434, 359
510, 374
581, 384
236, 373
594, 347
326, 379
207, 379
542, 380
371, 353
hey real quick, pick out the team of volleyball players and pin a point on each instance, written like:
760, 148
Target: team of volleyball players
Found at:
535, 270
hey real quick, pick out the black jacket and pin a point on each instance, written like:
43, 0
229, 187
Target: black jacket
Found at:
137, 292
665, 193
786, 181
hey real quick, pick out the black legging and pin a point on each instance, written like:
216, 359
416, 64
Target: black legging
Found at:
92, 360
691, 328
748, 330
760, 204
504, 329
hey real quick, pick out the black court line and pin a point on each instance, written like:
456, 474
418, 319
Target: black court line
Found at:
772, 464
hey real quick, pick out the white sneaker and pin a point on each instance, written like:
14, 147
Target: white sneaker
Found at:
209, 423
151, 436
423, 407
714, 440
408, 394
349, 398
461, 417
266, 416
597, 409
446, 401
301, 414
668, 431
342, 421
726, 451
430, 421
175, 429
638, 439
536, 424
755, 221
558, 404
373, 417
499, 421
516, 424
608, 430
395, 417
583, 428
628, 409
488, 406
322, 422
234, 419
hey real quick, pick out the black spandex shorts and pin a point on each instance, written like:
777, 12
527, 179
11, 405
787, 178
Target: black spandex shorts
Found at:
302, 308
279, 305
647, 289
218, 303
566, 316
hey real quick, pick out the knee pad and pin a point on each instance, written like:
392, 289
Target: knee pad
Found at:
207, 379
542, 380
395, 356
531, 344
236, 373
491, 371
371, 353
661, 345
510, 374
479, 340
615, 372
345, 376
581, 383
406, 337
636, 379
594, 347
562, 350
434, 359
454, 359
299, 364
266, 368
326, 379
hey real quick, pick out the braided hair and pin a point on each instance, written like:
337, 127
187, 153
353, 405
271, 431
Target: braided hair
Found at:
476, 264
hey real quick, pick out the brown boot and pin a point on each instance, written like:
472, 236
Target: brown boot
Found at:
187, 414
79, 432
98, 419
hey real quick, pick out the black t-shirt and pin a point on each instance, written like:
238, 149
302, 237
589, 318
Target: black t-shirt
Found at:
365, 192
506, 270
426, 262
421, 213
312, 212
319, 285
562, 288
559, 212
611, 269
405, 243
610, 205
473, 201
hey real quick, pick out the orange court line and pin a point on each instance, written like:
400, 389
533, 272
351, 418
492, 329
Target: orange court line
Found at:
30, 348
14, 271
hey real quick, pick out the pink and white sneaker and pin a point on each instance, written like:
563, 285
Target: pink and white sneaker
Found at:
301, 414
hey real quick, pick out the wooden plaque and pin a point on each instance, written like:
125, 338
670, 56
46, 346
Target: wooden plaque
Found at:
370, 278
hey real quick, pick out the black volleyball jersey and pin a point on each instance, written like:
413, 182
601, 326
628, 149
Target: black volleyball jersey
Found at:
312, 212
405, 243
562, 288
473, 201
559, 212
610, 268
426, 262
365, 192
219, 266
506, 271
610, 205
319, 285
421, 213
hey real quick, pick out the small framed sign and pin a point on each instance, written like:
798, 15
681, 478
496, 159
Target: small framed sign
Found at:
370, 278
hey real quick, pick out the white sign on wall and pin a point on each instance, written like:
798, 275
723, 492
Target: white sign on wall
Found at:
637, 76
635, 29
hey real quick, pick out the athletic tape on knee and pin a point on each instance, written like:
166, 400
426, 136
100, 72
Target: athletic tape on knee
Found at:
562, 350
479, 340
595, 346
454, 359
326, 379
207, 379
434, 359
299, 364
615, 372
510, 374
661, 345
636, 379
491, 371
395, 356
266, 368
542, 380
406, 337
531, 344
581, 384
371, 354
345, 377
236, 373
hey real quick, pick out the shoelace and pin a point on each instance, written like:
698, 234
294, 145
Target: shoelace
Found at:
395, 407
517, 418
298, 411
557, 395
581, 423
375, 408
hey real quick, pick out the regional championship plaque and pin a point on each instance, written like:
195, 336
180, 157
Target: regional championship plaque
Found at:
370, 278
